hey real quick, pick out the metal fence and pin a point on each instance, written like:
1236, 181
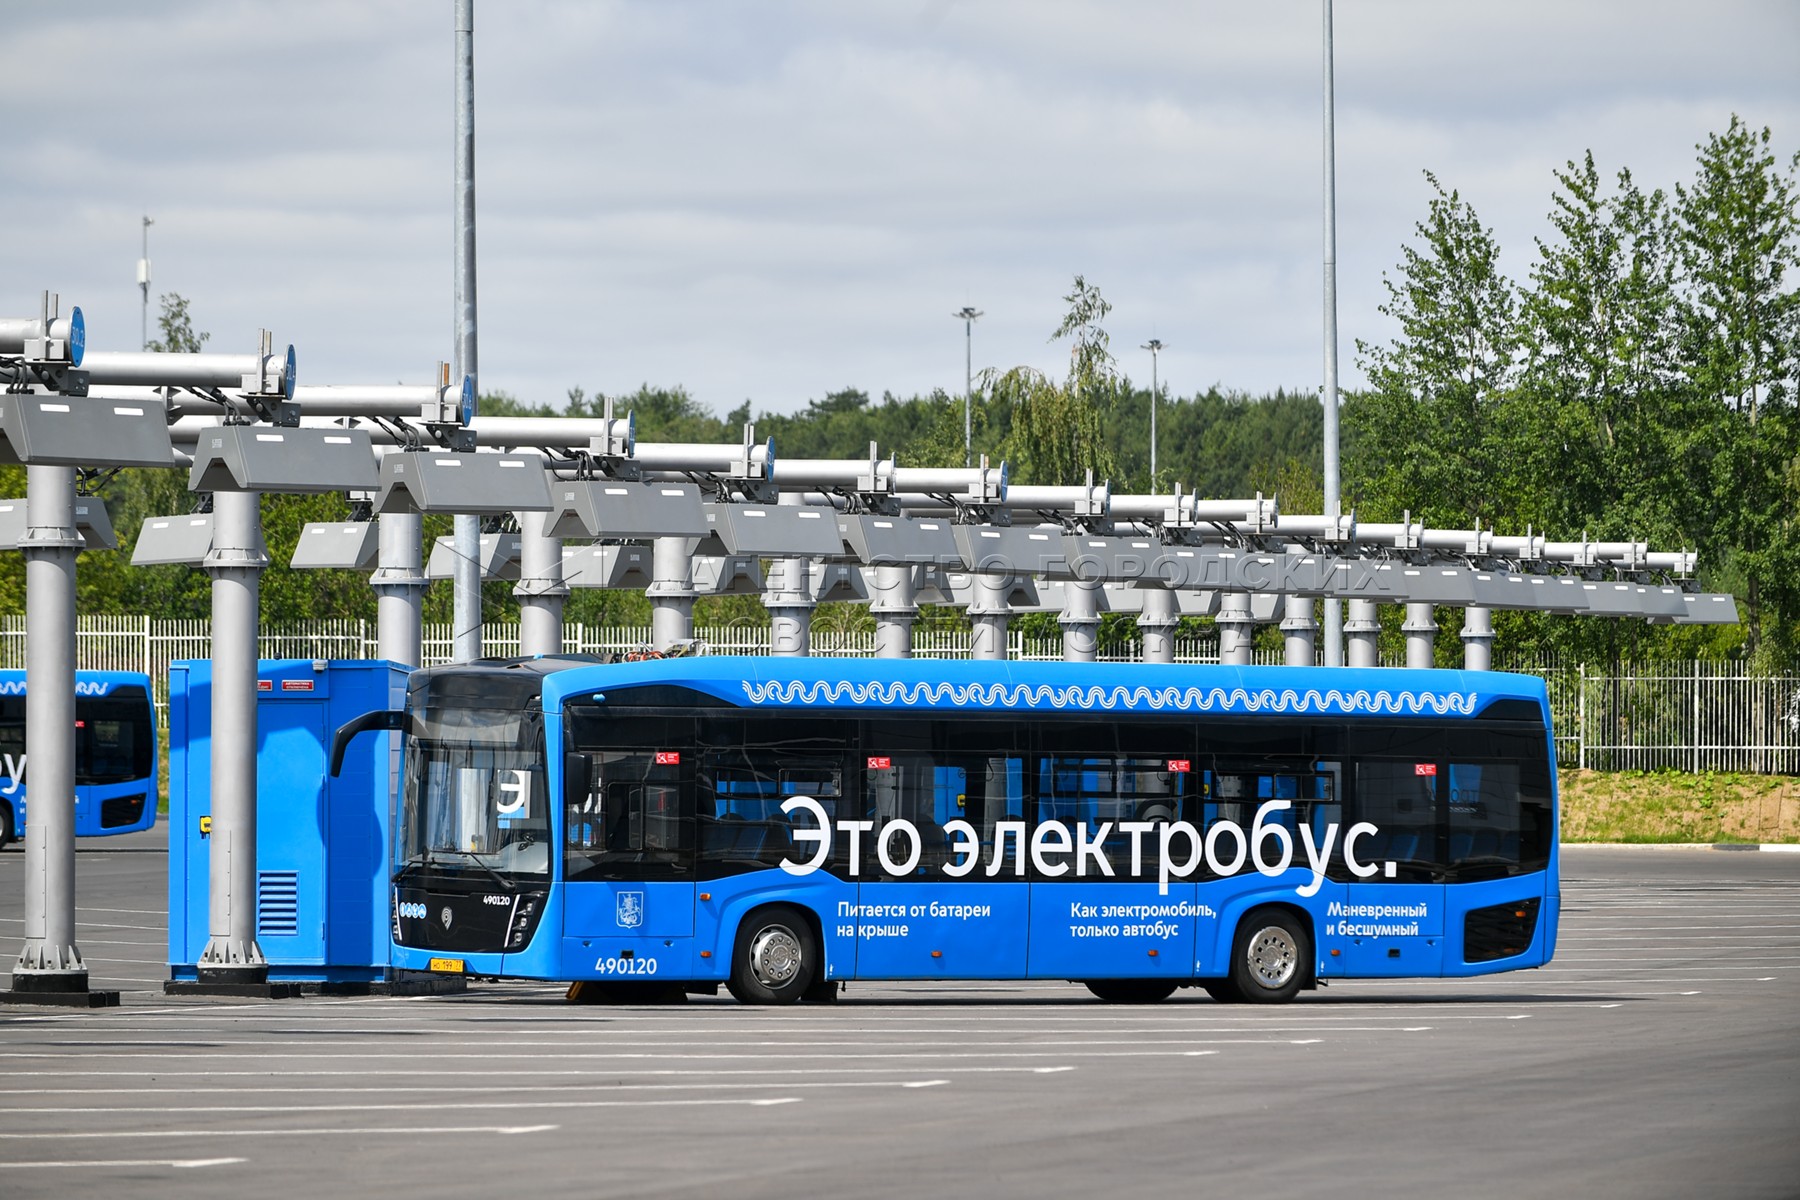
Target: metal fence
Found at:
1683, 716
1688, 716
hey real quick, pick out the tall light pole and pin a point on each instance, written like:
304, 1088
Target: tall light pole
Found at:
1154, 346
466, 580
1334, 634
968, 315
144, 287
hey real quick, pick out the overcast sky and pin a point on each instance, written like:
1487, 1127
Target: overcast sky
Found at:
774, 199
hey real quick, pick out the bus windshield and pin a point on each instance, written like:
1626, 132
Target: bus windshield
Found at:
475, 794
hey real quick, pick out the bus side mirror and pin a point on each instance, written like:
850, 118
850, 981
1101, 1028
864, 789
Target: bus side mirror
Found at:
578, 778
380, 718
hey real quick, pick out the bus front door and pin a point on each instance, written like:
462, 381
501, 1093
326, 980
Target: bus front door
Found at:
628, 909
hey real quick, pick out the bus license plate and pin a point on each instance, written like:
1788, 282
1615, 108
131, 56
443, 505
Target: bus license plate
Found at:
452, 965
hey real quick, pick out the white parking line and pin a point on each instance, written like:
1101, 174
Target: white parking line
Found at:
443, 1105
727, 1020
1727, 956
601, 1039
1586, 928
354, 1132
1650, 937
1663, 964
537, 1073
76, 1163
1610, 984
784, 1055
559, 1088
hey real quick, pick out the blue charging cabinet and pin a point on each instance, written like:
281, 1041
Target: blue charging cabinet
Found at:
321, 842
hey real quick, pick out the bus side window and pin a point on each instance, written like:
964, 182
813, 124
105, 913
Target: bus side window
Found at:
12, 734
906, 787
1495, 829
623, 806
623, 817
742, 823
641, 816
1400, 800
928, 791
1100, 794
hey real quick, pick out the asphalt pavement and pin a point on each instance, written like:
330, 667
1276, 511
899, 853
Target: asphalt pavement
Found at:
1658, 1056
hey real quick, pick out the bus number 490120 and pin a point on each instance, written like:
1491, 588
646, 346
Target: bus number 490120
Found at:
626, 966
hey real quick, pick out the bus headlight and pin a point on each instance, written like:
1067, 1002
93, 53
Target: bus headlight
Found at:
521, 922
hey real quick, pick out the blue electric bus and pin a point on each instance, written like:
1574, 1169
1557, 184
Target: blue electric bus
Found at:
778, 825
115, 753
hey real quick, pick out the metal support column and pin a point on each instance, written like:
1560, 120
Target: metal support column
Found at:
235, 563
989, 615
1478, 639
789, 601
399, 582
1421, 635
895, 609
1080, 621
540, 590
1299, 632
671, 591
1158, 622
1362, 634
50, 965
1237, 629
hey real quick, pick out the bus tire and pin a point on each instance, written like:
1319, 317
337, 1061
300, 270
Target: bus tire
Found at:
1269, 957
776, 957
8, 830
1131, 991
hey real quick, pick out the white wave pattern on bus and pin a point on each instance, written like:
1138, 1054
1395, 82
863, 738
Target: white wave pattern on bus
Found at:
16, 687
1116, 698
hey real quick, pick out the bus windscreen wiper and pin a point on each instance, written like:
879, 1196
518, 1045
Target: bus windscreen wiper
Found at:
475, 858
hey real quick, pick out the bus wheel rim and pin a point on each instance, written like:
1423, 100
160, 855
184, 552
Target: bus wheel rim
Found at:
775, 956
1272, 957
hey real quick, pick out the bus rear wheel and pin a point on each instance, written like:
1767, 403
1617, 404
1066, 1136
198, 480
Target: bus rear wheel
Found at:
1269, 957
8, 831
1131, 991
776, 957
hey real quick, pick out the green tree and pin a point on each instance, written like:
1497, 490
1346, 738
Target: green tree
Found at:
1429, 431
1739, 240
1056, 431
1606, 439
663, 414
176, 324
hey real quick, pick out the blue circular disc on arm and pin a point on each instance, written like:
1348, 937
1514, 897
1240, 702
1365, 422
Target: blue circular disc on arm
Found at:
77, 336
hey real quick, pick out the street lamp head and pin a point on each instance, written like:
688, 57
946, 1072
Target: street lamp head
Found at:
1153, 345
968, 313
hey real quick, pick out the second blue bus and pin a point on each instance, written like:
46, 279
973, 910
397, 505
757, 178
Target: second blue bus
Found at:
115, 754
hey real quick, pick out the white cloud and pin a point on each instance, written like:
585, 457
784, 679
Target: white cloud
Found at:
772, 201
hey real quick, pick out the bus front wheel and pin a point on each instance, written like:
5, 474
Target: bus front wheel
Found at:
1269, 957
776, 958
8, 831
1131, 991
